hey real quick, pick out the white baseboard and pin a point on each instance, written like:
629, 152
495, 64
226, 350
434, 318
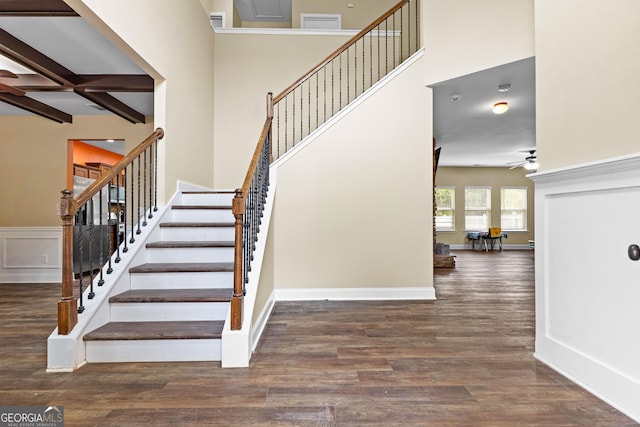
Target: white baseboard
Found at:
506, 247
356, 294
30, 254
617, 389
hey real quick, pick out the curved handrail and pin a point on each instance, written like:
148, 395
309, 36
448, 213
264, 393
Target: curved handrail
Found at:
340, 50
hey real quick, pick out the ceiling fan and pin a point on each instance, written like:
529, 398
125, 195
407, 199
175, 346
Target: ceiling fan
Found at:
6, 74
529, 163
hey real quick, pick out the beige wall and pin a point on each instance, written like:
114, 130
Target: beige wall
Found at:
464, 36
352, 206
247, 67
353, 18
587, 85
34, 162
175, 45
495, 178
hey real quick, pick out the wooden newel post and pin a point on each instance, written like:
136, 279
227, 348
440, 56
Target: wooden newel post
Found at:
68, 305
238, 278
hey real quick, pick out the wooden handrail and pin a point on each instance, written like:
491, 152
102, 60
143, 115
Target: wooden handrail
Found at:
338, 51
68, 304
116, 169
238, 209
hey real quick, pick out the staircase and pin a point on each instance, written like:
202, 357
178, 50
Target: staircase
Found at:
179, 297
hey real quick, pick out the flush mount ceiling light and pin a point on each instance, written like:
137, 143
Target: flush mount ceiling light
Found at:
455, 98
500, 107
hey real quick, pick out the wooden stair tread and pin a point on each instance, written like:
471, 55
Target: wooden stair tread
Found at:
181, 244
183, 267
173, 295
185, 330
197, 224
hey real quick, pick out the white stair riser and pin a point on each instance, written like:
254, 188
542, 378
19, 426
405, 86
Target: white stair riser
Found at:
202, 215
169, 255
181, 280
191, 234
168, 311
153, 351
206, 199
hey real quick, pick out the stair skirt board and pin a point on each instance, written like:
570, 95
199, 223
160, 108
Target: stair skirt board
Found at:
179, 350
168, 311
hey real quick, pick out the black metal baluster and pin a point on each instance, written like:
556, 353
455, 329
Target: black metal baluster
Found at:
151, 175
131, 202
90, 228
81, 224
122, 217
138, 231
103, 207
155, 178
401, 35
109, 235
144, 191
116, 223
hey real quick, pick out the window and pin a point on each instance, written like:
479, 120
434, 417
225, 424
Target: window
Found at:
445, 208
477, 208
513, 208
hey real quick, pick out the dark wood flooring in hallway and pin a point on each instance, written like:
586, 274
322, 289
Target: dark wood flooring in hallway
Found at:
463, 360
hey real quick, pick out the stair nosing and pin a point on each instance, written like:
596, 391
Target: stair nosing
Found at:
164, 330
181, 267
197, 295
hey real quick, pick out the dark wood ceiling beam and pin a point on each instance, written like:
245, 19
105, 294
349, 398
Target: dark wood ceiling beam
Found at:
35, 8
116, 82
36, 107
113, 104
24, 54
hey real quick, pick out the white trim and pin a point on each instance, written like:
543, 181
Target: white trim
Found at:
261, 322
302, 32
31, 254
356, 294
602, 369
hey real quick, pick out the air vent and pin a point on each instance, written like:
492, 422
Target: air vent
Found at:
320, 21
217, 20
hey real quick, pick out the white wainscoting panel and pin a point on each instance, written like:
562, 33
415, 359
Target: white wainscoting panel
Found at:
30, 254
587, 288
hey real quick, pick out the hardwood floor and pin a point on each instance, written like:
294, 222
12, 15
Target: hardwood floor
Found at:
463, 360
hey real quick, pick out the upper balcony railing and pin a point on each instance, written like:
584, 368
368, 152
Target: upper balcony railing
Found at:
345, 74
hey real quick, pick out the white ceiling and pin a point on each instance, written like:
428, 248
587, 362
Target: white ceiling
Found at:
469, 133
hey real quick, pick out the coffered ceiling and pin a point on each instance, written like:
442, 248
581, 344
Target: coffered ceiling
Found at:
55, 65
